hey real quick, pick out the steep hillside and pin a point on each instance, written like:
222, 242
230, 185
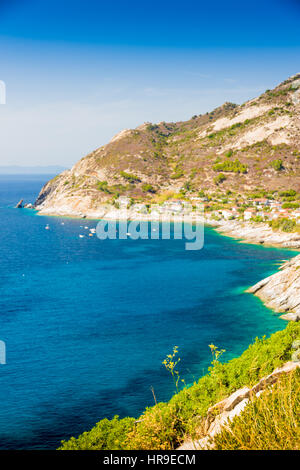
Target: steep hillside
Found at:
236, 147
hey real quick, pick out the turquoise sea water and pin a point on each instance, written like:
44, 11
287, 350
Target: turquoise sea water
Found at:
87, 323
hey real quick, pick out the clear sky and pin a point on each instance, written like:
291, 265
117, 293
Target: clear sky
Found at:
77, 72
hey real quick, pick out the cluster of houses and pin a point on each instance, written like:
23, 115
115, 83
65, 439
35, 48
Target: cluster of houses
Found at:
263, 208
169, 207
266, 209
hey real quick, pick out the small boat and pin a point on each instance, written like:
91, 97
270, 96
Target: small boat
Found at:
81, 236
86, 228
90, 234
47, 227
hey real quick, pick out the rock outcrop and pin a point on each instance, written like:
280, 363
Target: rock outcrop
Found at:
223, 412
20, 204
281, 291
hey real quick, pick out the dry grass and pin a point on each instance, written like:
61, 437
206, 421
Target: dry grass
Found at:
269, 422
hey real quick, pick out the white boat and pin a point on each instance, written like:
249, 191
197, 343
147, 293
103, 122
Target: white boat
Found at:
47, 227
81, 236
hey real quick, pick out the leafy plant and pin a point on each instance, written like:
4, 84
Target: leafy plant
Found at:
231, 166
148, 188
277, 164
130, 177
219, 179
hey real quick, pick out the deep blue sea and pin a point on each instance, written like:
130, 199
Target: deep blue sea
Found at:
87, 323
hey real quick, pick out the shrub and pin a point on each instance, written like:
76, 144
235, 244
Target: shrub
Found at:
103, 186
152, 127
283, 224
288, 193
178, 174
107, 434
290, 205
160, 427
219, 179
277, 164
257, 218
148, 188
130, 177
230, 166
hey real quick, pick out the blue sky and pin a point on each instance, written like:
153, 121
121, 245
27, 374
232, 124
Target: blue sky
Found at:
78, 72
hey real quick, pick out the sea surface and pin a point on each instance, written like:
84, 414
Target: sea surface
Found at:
87, 323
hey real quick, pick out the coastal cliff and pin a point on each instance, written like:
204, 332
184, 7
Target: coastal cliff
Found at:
281, 291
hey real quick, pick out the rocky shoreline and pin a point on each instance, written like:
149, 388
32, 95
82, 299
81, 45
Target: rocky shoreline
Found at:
281, 291
257, 233
248, 232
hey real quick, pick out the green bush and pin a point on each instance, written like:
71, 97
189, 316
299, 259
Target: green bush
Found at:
103, 186
290, 205
177, 174
230, 166
148, 188
219, 179
257, 218
283, 224
130, 177
107, 434
277, 164
288, 193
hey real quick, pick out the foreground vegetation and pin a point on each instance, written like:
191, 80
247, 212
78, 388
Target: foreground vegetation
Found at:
165, 425
269, 422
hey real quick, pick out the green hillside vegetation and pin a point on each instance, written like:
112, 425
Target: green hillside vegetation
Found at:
234, 166
284, 224
165, 425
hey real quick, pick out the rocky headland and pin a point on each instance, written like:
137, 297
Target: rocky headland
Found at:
281, 291
258, 233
